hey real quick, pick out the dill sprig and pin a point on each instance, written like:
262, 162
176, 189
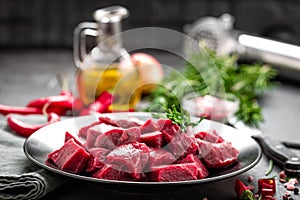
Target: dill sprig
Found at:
180, 117
208, 73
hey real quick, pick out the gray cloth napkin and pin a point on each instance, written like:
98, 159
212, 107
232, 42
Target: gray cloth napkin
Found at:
20, 178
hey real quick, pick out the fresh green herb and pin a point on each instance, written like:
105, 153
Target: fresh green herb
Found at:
270, 168
247, 195
242, 191
180, 117
221, 76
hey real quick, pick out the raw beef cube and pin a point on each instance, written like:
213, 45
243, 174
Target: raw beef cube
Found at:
105, 140
133, 157
111, 172
72, 157
107, 120
149, 126
176, 172
168, 129
69, 136
97, 159
97, 136
202, 171
53, 156
214, 137
84, 130
91, 137
132, 122
182, 145
154, 139
159, 157
117, 136
217, 155
129, 135
103, 128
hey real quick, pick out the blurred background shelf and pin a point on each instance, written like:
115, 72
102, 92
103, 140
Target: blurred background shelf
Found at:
42, 23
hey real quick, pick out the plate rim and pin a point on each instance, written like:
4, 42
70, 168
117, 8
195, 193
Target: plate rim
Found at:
136, 183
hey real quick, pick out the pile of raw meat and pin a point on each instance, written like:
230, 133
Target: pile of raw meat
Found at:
135, 150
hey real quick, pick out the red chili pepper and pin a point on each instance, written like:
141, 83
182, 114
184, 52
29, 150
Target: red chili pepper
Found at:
78, 105
58, 104
57, 110
25, 129
267, 186
19, 110
100, 105
54, 101
242, 191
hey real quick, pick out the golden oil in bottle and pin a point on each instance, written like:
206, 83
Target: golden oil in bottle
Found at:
124, 86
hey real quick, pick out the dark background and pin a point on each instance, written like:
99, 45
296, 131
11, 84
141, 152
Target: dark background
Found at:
43, 23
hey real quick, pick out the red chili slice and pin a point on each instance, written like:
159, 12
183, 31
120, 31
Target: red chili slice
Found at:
25, 129
19, 110
100, 105
267, 186
242, 191
62, 101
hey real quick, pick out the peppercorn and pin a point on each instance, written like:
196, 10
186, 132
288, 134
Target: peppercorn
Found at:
296, 191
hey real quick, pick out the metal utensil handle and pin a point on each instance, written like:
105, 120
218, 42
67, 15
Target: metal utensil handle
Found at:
80, 33
275, 149
274, 52
294, 145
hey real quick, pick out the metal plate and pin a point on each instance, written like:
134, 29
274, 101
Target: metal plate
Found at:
51, 137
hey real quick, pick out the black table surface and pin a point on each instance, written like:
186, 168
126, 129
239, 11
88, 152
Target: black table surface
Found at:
29, 74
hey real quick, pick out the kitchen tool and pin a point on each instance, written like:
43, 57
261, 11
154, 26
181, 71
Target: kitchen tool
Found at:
290, 144
218, 34
273, 148
50, 138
